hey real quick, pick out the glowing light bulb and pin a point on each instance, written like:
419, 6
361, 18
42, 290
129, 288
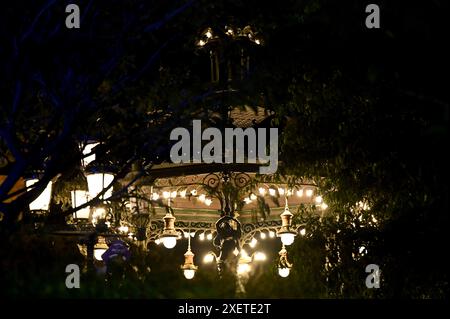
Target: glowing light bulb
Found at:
201, 43
123, 229
236, 252
157, 242
208, 34
208, 201
189, 273
166, 194
194, 192
271, 234
283, 272
262, 235
303, 232
257, 41
287, 238
281, 191
324, 206
208, 258
243, 268
262, 191
247, 200
183, 193
169, 242
272, 192
209, 236
309, 192
173, 194
253, 243
253, 196
318, 199
155, 196
201, 236
300, 193
202, 197
260, 256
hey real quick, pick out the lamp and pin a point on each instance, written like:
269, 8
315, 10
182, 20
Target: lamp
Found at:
42, 202
285, 233
100, 248
169, 235
188, 267
98, 177
284, 267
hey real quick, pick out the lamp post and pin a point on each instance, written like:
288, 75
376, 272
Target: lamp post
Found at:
189, 267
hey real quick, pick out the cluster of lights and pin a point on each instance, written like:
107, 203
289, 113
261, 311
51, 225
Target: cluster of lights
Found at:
182, 194
247, 32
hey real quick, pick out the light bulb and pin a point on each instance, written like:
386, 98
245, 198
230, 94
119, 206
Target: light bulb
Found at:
257, 41
318, 199
157, 241
201, 43
183, 193
253, 243
247, 200
271, 234
189, 273
283, 272
208, 202
262, 235
303, 232
309, 192
169, 242
287, 238
324, 206
300, 193
243, 268
98, 253
208, 34
272, 192
281, 191
262, 191
202, 197
209, 236
123, 229
236, 252
208, 258
259, 256
166, 194
155, 196
253, 196
201, 236
173, 194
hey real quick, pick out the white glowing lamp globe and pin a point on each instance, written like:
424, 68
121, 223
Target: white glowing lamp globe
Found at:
287, 238
42, 202
169, 242
98, 181
98, 253
189, 273
283, 272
